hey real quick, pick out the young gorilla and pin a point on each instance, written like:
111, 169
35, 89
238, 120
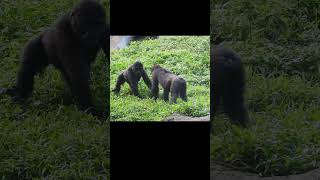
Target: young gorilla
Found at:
71, 45
132, 76
228, 84
170, 83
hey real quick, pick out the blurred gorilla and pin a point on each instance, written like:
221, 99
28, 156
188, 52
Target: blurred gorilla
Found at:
228, 85
70, 45
132, 76
139, 38
170, 83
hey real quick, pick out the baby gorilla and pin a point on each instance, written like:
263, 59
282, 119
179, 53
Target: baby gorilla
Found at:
170, 83
132, 76
228, 84
70, 45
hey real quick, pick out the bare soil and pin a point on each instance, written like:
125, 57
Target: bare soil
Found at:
218, 172
182, 118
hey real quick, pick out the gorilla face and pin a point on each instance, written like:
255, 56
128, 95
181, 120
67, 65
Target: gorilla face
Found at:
88, 22
137, 68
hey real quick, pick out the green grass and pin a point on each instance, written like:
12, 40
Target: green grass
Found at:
184, 56
278, 42
283, 135
43, 138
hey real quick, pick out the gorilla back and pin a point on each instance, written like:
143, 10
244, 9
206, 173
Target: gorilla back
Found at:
228, 84
71, 45
170, 83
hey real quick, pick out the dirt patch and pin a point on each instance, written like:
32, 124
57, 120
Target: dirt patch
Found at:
218, 172
182, 118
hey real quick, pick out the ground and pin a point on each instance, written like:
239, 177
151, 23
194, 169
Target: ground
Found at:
218, 172
182, 118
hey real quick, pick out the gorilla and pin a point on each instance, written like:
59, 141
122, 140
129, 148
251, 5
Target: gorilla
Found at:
228, 84
70, 45
139, 38
132, 76
170, 83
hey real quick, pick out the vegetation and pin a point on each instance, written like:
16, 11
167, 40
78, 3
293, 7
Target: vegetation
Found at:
279, 43
186, 56
44, 138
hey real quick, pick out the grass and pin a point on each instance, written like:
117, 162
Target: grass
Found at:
283, 135
278, 42
187, 56
44, 138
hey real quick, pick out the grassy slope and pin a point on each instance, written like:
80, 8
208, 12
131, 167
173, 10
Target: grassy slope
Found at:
185, 56
44, 138
280, 49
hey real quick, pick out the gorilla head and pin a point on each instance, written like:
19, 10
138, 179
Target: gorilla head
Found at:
88, 22
154, 67
137, 68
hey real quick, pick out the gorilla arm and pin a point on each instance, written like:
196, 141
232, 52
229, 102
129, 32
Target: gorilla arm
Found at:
155, 86
146, 78
133, 82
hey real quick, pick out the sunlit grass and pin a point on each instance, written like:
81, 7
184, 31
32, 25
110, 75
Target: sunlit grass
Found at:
184, 56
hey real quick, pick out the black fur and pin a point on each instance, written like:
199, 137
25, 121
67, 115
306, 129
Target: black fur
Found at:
228, 84
71, 45
170, 83
132, 76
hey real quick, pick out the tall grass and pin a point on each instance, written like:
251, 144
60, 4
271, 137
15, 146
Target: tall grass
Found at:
43, 138
279, 44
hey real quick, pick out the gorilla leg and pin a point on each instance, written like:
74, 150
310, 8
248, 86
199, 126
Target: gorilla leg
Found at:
134, 88
34, 61
233, 100
67, 99
166, 91
155, 88
183, 91
166, 94
236, 110
121, 80
174, 91
79, 78
174, 96
239, 114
